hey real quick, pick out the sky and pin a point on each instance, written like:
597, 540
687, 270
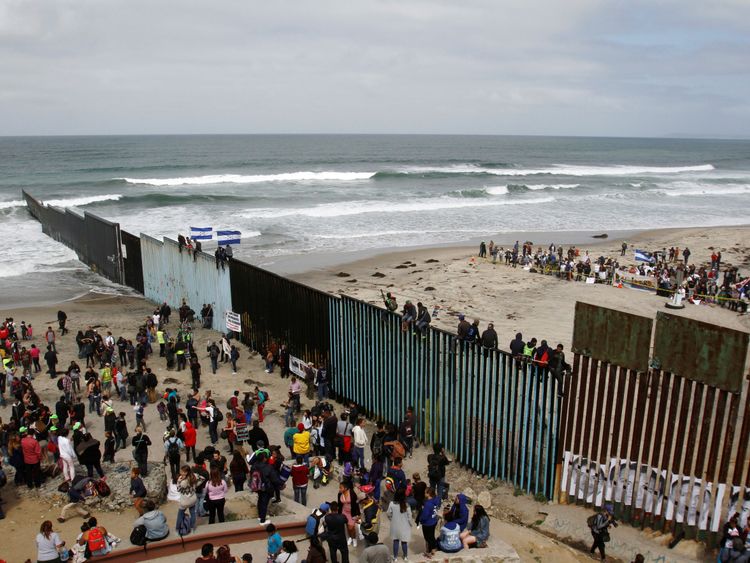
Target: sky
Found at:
529, 67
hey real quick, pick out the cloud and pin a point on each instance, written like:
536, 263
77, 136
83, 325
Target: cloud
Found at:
545, 67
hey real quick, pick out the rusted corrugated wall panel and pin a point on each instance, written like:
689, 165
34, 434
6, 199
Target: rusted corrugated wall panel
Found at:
701, 351
612, 336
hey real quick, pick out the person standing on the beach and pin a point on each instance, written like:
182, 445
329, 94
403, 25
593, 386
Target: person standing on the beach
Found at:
50, 356
686, 255
140, 443
623, 249
61, 320
49, 336
482, 250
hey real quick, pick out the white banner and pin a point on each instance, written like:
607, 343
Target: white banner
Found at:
297, 367
233, 321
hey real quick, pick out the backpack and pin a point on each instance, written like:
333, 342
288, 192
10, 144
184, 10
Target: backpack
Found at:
257, 485
60, 384
377, 445
229, 404
103, 489
173, 450
266, 396
433, 468
218, 417
312, 526
390, 484
138, 535
96, 540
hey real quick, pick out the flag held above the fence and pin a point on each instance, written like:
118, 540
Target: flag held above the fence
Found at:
228, 237
201, 233
643, 256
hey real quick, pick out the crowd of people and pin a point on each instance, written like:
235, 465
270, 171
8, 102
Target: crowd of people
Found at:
667, 270
118, 385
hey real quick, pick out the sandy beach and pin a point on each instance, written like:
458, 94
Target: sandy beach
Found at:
515, 300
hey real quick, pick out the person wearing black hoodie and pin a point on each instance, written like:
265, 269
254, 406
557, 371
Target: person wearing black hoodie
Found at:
489, 337
517, 345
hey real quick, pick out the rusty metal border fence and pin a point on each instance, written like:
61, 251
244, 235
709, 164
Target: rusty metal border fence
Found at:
666, 450
132, 261
496, 415
96, 241
276, 309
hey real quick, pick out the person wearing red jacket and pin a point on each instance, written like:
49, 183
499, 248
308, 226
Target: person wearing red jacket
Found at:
300, 472
189, 437
32, 458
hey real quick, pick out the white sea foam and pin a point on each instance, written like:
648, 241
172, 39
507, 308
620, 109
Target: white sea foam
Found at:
375, 234
564, 170
251, 179
81, 201
676, 189
345, 208
496, 190
552, 186
11, 204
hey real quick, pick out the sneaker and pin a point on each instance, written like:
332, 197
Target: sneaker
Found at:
354, 542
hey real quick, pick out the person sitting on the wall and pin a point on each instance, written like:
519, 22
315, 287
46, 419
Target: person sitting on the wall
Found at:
180, 242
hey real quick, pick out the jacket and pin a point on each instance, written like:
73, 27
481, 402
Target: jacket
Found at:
156, 524
459, 513
400, 522
482, 531
301, 443
32, 451
450, 540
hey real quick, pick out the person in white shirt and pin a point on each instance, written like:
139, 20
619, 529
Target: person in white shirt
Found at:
360, 442
67, 454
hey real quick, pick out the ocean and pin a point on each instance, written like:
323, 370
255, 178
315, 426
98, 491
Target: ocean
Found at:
322, 195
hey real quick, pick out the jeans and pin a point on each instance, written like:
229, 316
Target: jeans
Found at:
69, 468
300, 495
214, 364
342, 547
264, 497
90, 469
193, 516
216, 507
212, 431
33, 475
199, 505
142, 460
429, 537
439, 487
358, 457
322, 392
404, 548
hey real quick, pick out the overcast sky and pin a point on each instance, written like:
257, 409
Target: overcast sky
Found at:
568, 67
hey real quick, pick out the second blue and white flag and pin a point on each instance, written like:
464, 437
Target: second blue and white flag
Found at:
228, 237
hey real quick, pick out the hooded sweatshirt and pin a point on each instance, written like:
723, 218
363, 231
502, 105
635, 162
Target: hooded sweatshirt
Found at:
156, 524
460, 513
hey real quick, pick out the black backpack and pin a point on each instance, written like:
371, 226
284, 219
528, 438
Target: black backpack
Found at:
433, 467
173, 450
218, 417
138, 535
377, 444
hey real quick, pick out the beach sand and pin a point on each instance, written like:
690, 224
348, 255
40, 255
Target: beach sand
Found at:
515, 300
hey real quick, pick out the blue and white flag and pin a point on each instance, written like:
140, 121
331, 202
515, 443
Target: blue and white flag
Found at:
228, 237
201, 233
643, 256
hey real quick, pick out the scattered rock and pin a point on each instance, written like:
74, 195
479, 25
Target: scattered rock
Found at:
485, 499
603, 235
431, 261
469, 492
352, 281
342, 275
171, 381
429, 288
378, 275
407, 262
401, 267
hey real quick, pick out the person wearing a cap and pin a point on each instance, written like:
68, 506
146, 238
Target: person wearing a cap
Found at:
32, 457
462, 332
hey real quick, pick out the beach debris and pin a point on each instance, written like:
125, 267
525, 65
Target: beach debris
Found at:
351, 281
342, 275
378, 275
429, 288
431, 261
603, 235
401, 267
407, 262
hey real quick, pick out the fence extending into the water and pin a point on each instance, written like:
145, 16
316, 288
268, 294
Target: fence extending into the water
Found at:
660, 430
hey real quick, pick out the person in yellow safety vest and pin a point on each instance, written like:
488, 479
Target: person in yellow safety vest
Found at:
161, 339
301, 443
528, 349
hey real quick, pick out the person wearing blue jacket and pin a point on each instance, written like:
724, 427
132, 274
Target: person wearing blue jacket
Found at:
478, 531
428, 519
458, 512
450, 540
